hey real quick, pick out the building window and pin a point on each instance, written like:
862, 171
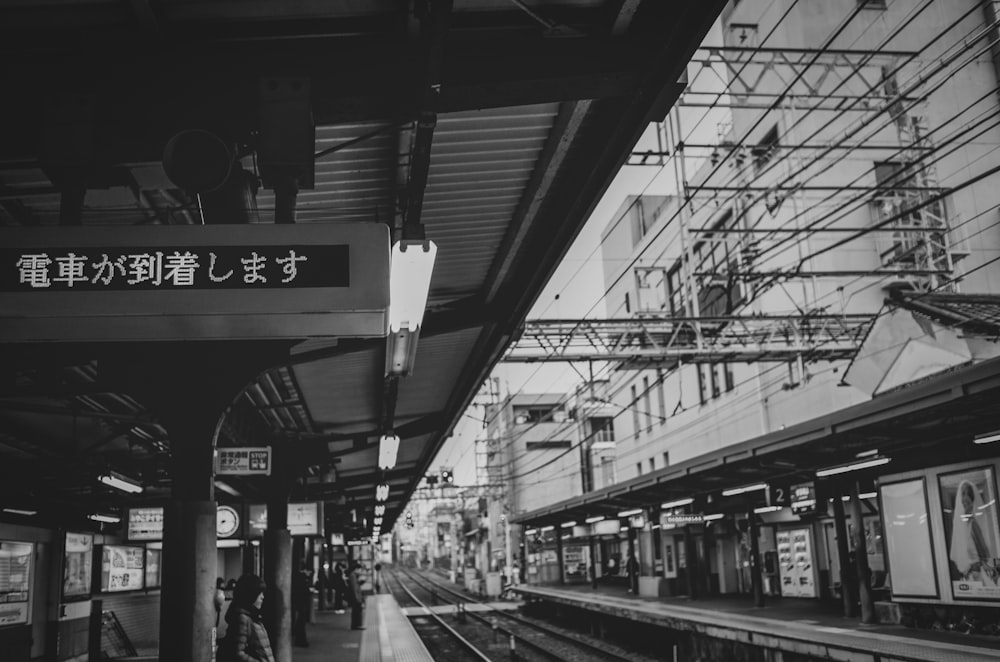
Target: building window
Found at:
635, 412
646, 406
602, 428
660, 398
714, 379
638, 468
765, 150
607, 471
652, 464
543, 445
666, 458
538, 414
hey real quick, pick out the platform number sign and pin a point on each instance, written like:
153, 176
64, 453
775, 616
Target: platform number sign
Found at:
244, 461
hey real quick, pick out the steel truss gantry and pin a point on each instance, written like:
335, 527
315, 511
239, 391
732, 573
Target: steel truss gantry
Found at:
668, 341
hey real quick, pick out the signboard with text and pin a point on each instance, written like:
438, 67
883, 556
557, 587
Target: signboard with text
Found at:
145, 523
193, 282
243, 461
304, 519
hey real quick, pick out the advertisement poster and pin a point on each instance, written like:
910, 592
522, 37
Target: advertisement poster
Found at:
153, 568
77, 566
795, 564
908, 539
122, 568
15, 581
972, 533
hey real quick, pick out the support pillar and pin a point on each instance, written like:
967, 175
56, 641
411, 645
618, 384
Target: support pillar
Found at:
277, 549
187, 614
847, 575
861, 558
593, 563
559, 556
691, 552
756, 578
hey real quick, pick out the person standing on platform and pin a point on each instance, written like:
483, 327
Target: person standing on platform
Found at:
632, 568
339, 585
378, 576
246, 639
219, 598
301, 599
354, 597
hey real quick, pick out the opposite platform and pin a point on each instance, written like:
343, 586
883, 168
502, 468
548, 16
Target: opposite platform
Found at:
388, 636
791, 625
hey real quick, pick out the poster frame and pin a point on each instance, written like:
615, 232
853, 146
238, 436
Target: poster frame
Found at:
991, 479
89, 584
909, 478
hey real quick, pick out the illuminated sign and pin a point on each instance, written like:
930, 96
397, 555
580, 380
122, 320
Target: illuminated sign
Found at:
243, 461
684, 518
122, 568
145, 524
194, 282
803, 498
304, 519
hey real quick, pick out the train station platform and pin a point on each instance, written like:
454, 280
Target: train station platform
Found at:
804, 627
387, 637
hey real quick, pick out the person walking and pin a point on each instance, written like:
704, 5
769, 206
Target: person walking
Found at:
301, 602
246, 639
354, 597
378, 577
339, 585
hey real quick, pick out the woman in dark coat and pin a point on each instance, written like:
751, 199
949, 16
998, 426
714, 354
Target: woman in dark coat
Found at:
246, 639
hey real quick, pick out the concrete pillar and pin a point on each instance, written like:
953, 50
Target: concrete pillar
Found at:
861, 558
187, 614
756, 577
848, 583
691, 552
559, 555
277, 549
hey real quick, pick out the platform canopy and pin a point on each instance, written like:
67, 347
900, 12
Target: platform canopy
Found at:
490, 127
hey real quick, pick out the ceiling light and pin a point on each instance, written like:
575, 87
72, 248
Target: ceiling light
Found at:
410, 266
379, 510
630, 513
120, 482
767, 509
746, 488
381, 492
713, 516
388, 447
986, 437
591, 520
545, 529
868, 453
530, 532
857, 466
676, 504
566, 525
19, 511
107, 519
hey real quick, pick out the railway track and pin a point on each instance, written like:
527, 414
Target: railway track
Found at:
528, 639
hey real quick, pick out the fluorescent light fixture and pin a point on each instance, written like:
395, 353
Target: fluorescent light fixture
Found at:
546, 529
622, 529
227, 488
857, 466
379, 510
400, 352
410, 266
381, 492
388, 448
746, 488
986, 438
566, 525
630, 513
530, 532
20, 511
767, 509
713, 516
591, 520
676, 504
869, 453
120, 482
107, 519
863, 495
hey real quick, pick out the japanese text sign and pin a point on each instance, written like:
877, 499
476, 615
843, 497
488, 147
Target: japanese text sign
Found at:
145, 523
193, 282
243, 461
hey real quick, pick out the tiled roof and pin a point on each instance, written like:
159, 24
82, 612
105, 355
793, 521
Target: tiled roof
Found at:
973, 313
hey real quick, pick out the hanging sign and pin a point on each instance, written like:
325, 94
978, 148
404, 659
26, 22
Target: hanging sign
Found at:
194, 282
243, 461
145, 523
682, 518
803, 498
